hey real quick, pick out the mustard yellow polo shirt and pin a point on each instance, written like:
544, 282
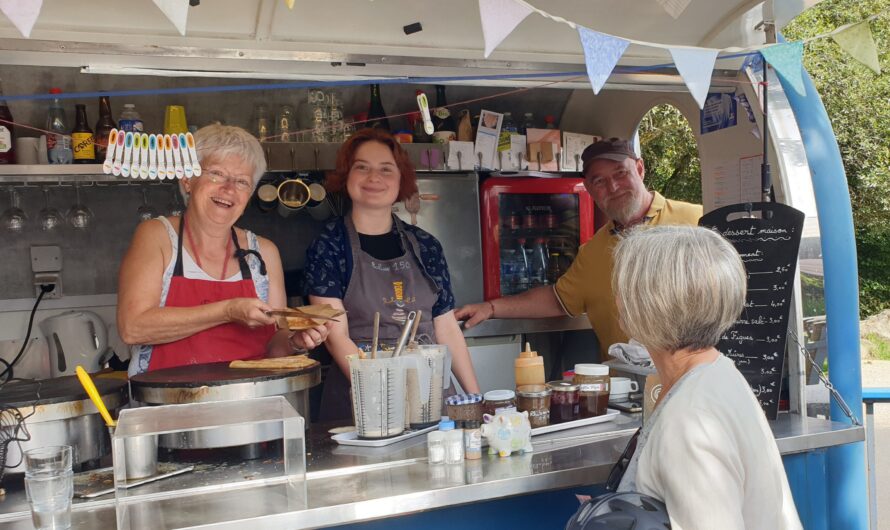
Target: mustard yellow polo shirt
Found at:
587, 286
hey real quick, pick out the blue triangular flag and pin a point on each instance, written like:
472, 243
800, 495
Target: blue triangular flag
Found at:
601, 53
695, 66
787, 59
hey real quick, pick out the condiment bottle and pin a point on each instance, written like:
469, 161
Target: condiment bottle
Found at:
454, 441
472, 440
529, 367
435, 444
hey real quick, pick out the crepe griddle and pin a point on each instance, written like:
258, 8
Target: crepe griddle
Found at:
212, 374
56, 390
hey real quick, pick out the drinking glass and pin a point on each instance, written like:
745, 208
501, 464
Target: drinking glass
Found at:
49, 486
285, 124
79, 216
146, 212
49, 218
14, 218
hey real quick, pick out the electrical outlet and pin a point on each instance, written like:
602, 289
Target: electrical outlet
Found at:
48, 278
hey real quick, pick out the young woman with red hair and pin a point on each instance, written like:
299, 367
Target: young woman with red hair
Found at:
370, 261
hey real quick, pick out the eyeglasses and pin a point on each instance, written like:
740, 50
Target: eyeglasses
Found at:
620, 467
600, 181
240, 183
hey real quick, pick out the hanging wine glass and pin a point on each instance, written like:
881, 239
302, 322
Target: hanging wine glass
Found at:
175, 207
79, 216
13, 218
49, 218
146, 212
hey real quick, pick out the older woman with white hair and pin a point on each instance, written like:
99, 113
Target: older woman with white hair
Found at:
195, 289
707, 450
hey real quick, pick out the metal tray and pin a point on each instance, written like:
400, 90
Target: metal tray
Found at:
608, 416
351, 438
98, 482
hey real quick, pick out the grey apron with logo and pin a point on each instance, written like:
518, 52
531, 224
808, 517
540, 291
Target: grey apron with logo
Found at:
392, 287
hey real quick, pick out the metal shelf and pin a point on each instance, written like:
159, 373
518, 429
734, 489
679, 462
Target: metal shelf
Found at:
53, 173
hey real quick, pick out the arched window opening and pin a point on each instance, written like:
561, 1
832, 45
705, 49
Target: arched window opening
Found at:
670, 152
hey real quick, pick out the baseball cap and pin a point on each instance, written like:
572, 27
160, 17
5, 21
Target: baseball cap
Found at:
616, 149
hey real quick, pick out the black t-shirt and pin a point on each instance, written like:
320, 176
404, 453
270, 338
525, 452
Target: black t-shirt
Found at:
383, 247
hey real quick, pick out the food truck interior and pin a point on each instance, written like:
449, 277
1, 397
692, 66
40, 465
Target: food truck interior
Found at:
238, 55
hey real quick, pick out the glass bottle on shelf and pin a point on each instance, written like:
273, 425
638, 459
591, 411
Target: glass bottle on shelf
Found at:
58, 144
103, 128
419, 135
553, 267
82, 139
260, 123
376, 114
549, 122
7, 133
285, 124
443, 120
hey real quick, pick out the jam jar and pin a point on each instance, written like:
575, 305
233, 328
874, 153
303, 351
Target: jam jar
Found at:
498, 399
563, 401
464, 407
534, 399
593, 389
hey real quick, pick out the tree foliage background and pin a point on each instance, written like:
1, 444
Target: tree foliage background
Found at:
858, 103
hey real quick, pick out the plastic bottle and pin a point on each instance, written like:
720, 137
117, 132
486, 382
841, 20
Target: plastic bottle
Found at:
454, 441
130, 120
538, 263
7, 133
523, 276
58, 145
472, 440
529, 367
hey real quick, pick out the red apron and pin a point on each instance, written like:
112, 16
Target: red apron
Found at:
226, 342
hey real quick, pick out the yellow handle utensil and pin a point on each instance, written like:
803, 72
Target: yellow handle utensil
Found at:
87, 382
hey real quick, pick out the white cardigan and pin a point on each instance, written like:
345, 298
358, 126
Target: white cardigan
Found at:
711, 456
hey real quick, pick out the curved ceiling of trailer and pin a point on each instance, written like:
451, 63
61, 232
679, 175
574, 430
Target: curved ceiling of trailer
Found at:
263, 37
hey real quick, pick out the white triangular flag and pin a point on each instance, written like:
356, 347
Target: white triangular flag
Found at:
499, 19
22, 13
175, 10
695, 66
674, 8
601, 53
858, 42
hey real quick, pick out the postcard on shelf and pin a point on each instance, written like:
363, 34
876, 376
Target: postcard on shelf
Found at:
487, 138
573, 144
540, 155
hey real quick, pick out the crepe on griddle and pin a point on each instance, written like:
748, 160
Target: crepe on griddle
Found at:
291, 362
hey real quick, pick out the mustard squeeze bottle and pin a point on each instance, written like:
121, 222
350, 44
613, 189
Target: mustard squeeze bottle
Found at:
529, 367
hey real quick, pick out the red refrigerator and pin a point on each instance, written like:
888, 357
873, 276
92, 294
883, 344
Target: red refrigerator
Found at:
531, 231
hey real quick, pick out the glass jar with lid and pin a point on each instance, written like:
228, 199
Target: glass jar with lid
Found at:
534, 399
464, 407
563, 401
498, 399
593, 389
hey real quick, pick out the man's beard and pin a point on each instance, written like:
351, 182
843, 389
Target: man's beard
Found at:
624, 209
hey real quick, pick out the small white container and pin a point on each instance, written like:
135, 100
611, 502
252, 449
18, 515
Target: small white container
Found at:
454, 446
435, 447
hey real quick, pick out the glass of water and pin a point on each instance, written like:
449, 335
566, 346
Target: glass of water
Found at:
49, 485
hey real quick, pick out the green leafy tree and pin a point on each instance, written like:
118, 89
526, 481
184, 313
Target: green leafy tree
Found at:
669, 148
858, 103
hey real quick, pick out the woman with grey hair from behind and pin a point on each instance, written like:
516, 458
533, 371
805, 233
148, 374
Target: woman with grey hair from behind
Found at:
706, 451
195, 289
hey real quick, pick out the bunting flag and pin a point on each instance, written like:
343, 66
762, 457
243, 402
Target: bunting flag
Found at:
787, 59
674, 8
175, 10
858, 42
696, 66
601, 53
22, 13
499, 19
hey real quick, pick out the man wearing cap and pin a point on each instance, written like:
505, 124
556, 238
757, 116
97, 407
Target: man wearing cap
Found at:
613, 176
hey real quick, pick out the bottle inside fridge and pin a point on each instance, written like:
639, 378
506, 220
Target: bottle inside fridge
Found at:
536, 228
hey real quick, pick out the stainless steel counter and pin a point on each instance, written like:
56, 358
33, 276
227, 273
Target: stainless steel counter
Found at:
349, 484
513, 326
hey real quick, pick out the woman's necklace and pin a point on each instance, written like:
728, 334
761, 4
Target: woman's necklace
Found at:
188, 234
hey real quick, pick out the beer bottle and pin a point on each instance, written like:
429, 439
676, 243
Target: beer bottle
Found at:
376, 114
443, 121
103, 128
82, 138
7, 133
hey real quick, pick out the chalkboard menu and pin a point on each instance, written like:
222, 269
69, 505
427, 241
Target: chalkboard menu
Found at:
767, 237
